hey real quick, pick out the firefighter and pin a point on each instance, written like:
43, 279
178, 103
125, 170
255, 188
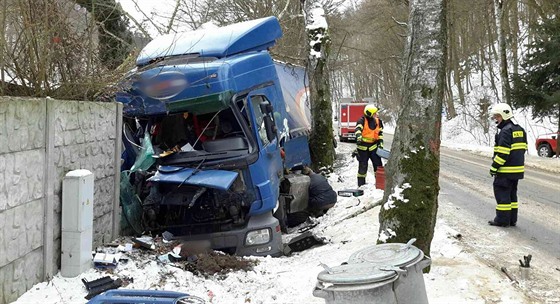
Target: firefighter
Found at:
507, 165
369, 137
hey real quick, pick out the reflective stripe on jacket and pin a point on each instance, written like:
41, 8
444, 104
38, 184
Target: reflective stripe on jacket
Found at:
509, 150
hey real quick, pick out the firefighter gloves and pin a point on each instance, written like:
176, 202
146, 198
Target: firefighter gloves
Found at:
355, 153
492, 173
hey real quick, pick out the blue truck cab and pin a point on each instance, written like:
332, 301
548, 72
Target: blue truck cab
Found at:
220, 114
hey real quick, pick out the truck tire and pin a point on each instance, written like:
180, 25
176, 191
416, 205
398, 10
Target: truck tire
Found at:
544, 150
296, 218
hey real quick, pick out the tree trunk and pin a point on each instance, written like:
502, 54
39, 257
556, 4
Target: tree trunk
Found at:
454, 56
321, 140
499, 7
412, 187
558, 135
515, 35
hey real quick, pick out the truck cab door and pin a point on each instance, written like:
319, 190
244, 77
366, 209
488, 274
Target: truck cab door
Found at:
267, 171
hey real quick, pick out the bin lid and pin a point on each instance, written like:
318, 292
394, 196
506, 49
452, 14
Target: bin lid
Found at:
362, 273
390, 254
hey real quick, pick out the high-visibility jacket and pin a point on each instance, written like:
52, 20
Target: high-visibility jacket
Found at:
509, 150
371, 131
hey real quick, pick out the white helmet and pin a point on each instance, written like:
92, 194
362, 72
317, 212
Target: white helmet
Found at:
502, 109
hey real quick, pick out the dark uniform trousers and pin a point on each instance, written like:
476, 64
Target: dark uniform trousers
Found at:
505, 192
364, 156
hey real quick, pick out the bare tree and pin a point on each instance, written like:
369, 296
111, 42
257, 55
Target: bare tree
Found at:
50, 48
500, 25
368, 44
411, 190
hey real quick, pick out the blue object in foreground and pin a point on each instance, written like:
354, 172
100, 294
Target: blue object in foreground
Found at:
141, 296
383, 153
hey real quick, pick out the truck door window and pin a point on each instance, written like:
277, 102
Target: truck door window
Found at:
256, 100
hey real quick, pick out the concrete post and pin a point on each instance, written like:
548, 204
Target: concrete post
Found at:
48, 186
118, 147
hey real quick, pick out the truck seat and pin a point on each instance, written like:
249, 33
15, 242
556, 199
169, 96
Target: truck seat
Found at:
225, 144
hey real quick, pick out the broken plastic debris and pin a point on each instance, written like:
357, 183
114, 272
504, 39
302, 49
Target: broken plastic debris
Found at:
145, 241
187, 148
167, 236
106, 260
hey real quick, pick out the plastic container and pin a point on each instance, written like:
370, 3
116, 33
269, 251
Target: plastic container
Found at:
356, 284
380, 178
130, 296
383, 153
407, 260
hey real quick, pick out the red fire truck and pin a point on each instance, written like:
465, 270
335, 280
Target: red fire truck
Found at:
348, 115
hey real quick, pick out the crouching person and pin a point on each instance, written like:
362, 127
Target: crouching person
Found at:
322, 197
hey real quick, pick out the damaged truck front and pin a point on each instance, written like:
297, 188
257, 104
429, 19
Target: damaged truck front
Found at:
211, 124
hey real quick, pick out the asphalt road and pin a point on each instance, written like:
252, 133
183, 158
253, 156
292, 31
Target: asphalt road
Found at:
465, 183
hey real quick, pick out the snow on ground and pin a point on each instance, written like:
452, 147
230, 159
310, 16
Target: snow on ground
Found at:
456, 276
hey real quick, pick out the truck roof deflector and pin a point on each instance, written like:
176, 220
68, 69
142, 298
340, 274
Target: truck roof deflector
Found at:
254, 35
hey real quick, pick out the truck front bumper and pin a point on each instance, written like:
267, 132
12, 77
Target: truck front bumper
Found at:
235, 240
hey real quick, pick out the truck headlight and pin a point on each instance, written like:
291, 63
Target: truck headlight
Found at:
257, 237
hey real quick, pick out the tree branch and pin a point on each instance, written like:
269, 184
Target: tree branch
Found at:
399, 22
281, 14
172, 19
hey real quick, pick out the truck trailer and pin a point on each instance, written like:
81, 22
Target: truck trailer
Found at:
223, 124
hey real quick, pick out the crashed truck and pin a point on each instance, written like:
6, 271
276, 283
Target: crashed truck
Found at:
213, 126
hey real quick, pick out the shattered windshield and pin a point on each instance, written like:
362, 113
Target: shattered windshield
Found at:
186, 137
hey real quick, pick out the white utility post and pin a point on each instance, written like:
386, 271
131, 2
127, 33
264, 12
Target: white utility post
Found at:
77, 222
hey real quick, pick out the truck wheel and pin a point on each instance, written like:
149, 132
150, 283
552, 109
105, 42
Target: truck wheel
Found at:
544, 150
297, 218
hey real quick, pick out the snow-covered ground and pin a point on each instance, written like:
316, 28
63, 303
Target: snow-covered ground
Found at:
456, 275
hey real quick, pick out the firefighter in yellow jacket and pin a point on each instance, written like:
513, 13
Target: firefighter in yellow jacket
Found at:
507, 165
369, 137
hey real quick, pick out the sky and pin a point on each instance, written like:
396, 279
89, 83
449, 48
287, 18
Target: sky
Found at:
147, 8
165, 7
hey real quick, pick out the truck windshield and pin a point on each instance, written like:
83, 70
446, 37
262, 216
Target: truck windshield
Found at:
184, 137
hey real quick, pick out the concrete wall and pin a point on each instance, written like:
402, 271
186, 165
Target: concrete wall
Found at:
40, 141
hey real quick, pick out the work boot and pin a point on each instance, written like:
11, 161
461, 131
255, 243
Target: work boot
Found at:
494, 223
361, 181
513, 217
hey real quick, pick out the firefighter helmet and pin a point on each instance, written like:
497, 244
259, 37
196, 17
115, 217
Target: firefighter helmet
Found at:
502, 109
370, 110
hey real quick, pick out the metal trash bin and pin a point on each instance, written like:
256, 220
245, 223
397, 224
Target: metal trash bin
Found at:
407, 260
356, 284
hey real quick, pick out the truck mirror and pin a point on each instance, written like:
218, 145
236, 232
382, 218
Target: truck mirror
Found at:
270, 128
266, 107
